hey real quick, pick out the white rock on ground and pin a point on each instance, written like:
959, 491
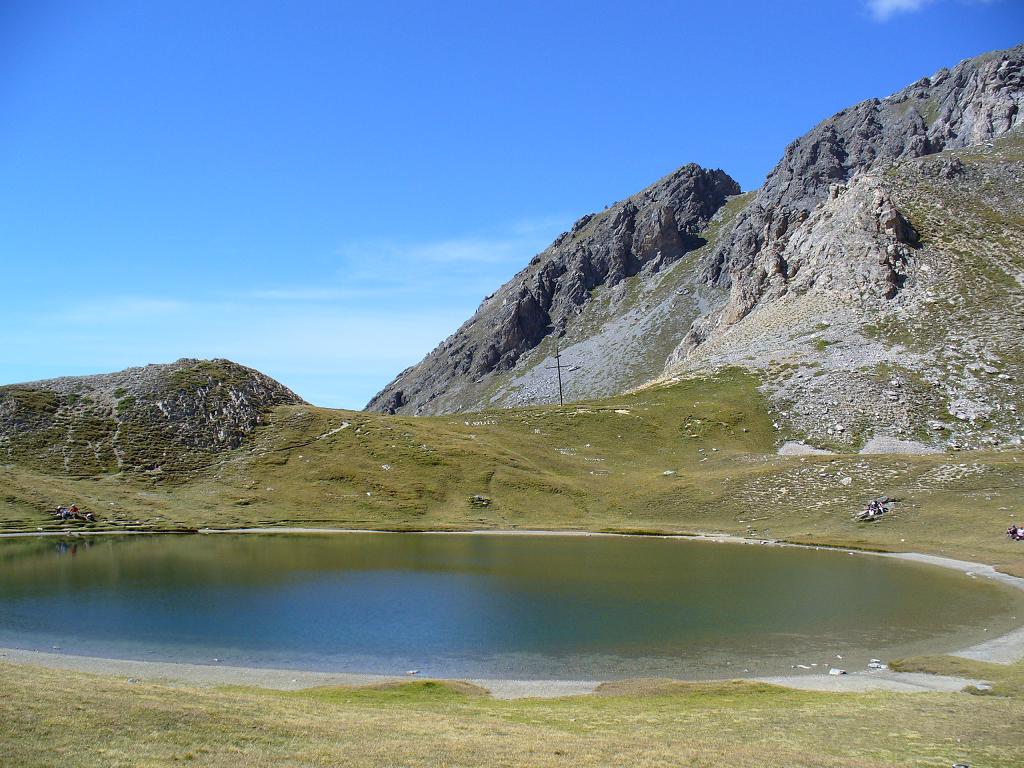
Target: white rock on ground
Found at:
886, 444
793, 448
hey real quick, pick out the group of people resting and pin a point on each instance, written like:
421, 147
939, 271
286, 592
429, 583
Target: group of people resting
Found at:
73, 513
875, 509
1015, 532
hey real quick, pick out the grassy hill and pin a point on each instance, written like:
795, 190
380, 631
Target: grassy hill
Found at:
695, 456
151, 420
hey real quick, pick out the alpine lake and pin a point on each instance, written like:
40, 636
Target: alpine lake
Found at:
487, 606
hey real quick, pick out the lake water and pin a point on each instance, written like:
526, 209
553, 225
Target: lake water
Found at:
487, 606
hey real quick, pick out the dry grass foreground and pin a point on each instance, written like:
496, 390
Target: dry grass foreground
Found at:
74, 719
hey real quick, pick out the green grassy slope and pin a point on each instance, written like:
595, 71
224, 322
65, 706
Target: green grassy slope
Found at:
575, 465
697, 456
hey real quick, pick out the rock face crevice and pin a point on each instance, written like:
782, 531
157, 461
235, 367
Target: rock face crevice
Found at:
648, 231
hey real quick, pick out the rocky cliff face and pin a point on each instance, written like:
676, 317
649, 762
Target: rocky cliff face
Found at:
874, 275
646, 233
872, 281
900, 325
153, 419
978, 100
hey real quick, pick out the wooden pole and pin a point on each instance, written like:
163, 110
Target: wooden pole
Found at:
558, 368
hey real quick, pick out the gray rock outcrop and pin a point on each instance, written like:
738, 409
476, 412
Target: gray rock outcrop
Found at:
978, 100
900, 317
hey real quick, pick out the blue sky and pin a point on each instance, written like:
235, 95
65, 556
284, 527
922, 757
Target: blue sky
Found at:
325, 190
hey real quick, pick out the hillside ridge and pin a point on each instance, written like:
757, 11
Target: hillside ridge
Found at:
155, 418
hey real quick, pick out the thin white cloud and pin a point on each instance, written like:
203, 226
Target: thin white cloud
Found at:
883, 10
390, 269
460, 250
121, 308
308, 293
336, 335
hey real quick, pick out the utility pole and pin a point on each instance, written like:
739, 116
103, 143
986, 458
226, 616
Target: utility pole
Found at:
558, 367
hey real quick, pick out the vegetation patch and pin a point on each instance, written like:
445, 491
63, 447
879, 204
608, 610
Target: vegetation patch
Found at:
1005, 680
39, 401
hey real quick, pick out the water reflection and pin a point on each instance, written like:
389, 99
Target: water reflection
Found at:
71, 547
484, 605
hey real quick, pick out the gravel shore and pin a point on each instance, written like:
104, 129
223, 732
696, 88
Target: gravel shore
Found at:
291, 680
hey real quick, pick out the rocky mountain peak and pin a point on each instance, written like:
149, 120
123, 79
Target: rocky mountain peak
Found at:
873, 283
978, 100
648, 231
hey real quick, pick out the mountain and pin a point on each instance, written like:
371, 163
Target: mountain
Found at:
873, 282
892, 320
156, 419
489, 361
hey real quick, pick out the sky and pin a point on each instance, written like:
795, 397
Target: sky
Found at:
326, 190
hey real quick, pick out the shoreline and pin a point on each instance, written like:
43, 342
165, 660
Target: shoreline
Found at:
211, 675
1004, 649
